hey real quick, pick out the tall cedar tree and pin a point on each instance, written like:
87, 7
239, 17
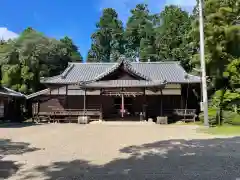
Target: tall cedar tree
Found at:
222, 45
140, 34
171, 36
107, 41
222, 37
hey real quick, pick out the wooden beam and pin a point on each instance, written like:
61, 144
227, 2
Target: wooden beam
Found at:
122, 108
101, 106
84, 102
144, 104
161, 103
67, 96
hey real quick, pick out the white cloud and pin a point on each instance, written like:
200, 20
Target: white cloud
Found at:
5, 34
182, 3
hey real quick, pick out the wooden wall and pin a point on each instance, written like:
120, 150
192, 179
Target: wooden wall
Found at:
107, 103
154, 102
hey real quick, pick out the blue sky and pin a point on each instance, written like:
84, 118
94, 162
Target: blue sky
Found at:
74, 18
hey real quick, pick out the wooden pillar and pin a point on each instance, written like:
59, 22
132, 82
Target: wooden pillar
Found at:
38, 106
84, 102
161, 103
101, 105
66, 96
144, 104
122, 107
181, 105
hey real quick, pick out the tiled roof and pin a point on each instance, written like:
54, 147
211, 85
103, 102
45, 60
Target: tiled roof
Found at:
45, 91
4, 91
62, 91
123, 83
127, 66
57, 91
172, 72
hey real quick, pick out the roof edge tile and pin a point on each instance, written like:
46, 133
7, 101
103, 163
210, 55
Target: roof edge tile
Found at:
67, 70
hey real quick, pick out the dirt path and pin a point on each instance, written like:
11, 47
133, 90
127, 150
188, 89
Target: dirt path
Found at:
116, 151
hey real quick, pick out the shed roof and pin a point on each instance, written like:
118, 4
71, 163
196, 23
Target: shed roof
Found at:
4, 91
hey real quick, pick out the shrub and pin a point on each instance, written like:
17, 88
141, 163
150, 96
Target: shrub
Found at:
231, 117
212, 116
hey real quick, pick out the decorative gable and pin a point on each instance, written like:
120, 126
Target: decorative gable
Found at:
122, 70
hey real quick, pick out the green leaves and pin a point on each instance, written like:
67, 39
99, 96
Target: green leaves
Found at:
140, 35
107, 41
72, 50
30, 57
172, 39
153, 37
233, 72
222, 36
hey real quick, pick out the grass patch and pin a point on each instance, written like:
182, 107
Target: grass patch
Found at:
223, 130
188, 123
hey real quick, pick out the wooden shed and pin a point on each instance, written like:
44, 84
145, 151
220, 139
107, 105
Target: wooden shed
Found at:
11, 104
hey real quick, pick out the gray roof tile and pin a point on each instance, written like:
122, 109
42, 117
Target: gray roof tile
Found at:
44, 91
172, 72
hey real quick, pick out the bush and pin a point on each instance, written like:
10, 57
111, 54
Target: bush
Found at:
231, 117
212, 116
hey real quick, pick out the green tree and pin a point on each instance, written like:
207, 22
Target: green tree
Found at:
172, 36
222, 37
30, 57
233, 73
107, 41
139, 34
72, 50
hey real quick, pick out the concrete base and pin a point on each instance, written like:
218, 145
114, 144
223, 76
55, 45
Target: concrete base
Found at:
83, 120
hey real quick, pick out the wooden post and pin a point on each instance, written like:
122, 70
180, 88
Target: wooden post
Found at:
101, 105
144, 104
38, 106
181, 101
161, 110
66, 104
122, 109
84, 103
66, 98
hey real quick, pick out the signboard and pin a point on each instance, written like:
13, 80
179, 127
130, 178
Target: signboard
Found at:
201, 106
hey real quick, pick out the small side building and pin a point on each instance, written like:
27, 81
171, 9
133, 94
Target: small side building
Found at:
11, 104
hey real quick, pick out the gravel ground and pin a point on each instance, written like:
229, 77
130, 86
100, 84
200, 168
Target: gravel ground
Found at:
131, 151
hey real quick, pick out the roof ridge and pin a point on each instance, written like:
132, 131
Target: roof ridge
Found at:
157, 62
131, 62
37, 93
115, 66
108, 70
42, 79
98, 63
66, 71
13, 91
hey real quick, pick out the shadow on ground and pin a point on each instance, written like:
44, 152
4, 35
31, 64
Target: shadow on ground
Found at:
215, 159
7, 147
17, 125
